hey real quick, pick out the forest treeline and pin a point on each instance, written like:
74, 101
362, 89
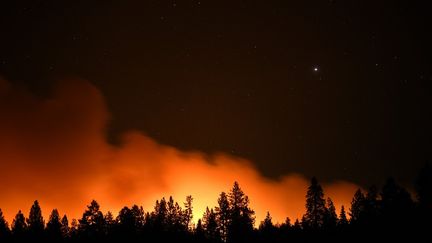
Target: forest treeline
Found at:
386, 214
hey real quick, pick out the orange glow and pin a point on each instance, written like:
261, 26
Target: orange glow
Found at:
55, 150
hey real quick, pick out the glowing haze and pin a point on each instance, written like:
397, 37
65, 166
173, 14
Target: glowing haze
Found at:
55, 150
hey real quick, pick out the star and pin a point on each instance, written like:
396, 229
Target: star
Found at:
315, 69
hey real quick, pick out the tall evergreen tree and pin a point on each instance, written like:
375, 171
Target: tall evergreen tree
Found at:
210, 226
188, 211
223, 215
315, 206
343, 221
159, 216
174, 215
331, 216
357, 206
242, 216
19, 225
54, 226
4, 227
65, 226
35, 220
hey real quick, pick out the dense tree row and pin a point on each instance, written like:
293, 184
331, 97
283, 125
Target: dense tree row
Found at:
385, 215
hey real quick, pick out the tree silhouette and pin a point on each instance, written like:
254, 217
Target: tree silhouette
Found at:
92, 222
267, 222
242, 218
343, 221
19, 225
65, 226
175, 219
386, 215
297, 225
130, 221
188, 211
159, 216
357, 206
331, 216
223, 215
35, 220
4, 227
267, 230
267, 227
74, 228
54, 226
138, 216
210, 226
315, 206
199, 232
109, 222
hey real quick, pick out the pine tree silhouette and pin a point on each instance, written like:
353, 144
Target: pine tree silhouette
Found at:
35, 221
223, 215
357, 207
19, 226
316, 210
386, 215
210, 226
242, 219
343, 221
54, 226
65, 227
188, 211
4, 228
331, 216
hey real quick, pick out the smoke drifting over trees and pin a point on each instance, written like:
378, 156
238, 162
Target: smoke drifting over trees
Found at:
57, 145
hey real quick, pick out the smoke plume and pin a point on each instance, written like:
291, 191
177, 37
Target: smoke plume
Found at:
55, 150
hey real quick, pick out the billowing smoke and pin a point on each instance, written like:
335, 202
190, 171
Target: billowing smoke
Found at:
55, 150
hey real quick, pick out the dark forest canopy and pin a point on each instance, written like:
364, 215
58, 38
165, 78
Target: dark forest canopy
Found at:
386, 214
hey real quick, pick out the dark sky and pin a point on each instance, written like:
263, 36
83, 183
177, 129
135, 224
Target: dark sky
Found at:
239, 76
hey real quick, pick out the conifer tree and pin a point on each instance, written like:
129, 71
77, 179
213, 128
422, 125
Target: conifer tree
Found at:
241, 215
65, 226
35, 220
343, 221
54, 226
223, 215
4, 227
19, 225
331, 216
357, 206
92, 222
210, 226
316, 210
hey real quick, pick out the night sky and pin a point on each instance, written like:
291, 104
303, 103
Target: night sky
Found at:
333, 89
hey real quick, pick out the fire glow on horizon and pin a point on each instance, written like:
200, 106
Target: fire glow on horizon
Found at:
55, 150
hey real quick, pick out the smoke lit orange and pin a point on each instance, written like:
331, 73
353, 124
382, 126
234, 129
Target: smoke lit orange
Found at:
55, 150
